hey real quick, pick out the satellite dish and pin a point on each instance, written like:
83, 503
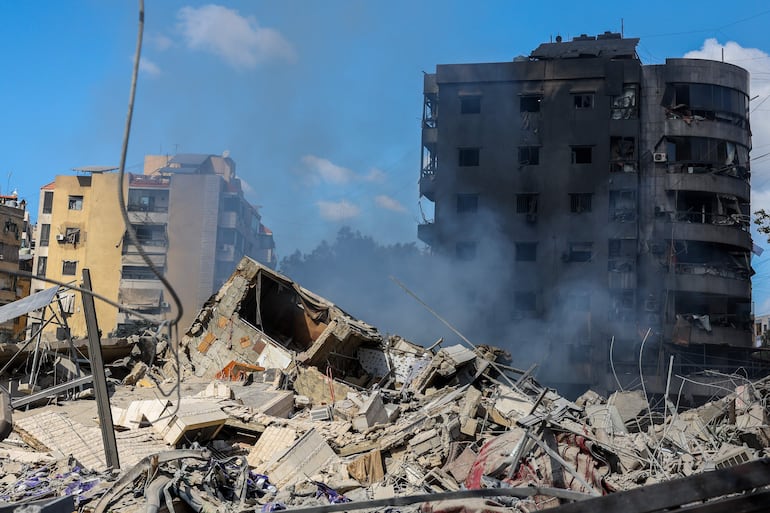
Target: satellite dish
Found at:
225, 154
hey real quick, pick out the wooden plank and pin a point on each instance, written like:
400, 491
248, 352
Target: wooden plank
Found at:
699, 487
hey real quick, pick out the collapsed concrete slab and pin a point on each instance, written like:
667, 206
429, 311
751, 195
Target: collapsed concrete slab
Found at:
260, 317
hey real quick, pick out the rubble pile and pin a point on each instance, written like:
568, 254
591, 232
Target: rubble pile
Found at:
373, 422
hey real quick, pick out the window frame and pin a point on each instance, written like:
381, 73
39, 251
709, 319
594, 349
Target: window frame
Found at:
468, 156
67, 266
74, 202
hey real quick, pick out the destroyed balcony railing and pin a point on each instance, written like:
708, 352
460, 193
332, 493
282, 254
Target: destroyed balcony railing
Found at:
696, 167
153, 243
731, 272
740, 221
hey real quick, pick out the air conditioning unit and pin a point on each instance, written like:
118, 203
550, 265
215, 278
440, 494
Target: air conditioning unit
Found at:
659, 157
61, 237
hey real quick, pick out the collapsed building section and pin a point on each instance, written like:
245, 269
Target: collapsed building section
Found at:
261, 317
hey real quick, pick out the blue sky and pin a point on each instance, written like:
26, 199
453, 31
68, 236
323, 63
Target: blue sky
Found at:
317, 102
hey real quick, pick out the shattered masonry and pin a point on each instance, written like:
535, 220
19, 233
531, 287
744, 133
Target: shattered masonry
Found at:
317, 407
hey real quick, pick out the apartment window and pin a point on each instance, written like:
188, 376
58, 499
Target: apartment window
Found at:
526, 251
75, 203
583, 100
468, 157
470, 104
47, 202
69, 267
467, 203
72, 235
465, 251
581, 154
529, 155
580, 202
137, 272
579, 252
623, 205
525, 301
530, 103
45, 234
42, 265
526, 203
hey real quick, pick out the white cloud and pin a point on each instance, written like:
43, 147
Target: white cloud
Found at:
148, 66
375, 175
237, 39
337, 210
389, 203
159, 42
318, 169
325, 170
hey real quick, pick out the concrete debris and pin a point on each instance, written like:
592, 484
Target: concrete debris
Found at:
314, 407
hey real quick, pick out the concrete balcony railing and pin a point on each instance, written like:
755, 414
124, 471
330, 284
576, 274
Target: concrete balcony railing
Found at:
708, 182
428, 185
733, 234
427, 232
706, 283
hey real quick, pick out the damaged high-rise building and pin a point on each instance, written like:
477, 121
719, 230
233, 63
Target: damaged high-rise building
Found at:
611, 197
190, 216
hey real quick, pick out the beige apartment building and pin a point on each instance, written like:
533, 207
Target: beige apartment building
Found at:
190, 217
14, 252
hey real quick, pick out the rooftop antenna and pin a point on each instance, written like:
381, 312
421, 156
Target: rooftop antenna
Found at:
621, 28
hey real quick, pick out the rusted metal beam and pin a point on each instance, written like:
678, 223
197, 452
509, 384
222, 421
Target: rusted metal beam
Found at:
99, 375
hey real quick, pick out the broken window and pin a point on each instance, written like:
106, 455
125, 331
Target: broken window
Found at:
624, 105
622, 305
527, 204
69, 267
42, 264
470, 104
75, 203
621, 255
583, 100
47, 202
525, 301
696, 102
581, 154
622, 154
530, 103
526, 251
468, 157
45, 234
72, 235
580, 202
579, 252
529, 155
465, 251
623, 205
467, 203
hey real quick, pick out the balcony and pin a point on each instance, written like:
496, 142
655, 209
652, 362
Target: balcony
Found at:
428, 184
228, 220
702, 279
719, 335
734, 234
429, 135
226, 252
427, 232
148, 216
708, 182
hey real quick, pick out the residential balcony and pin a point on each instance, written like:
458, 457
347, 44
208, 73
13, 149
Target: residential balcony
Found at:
719, 335
427, 232
428, 184
735, 234
707, 280
708, 182
226, 252
429, 135
148, 216
228, 220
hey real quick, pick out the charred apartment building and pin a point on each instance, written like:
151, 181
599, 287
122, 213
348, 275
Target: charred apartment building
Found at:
610, 197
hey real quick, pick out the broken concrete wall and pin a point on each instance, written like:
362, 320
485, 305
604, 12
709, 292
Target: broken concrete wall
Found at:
263, 318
